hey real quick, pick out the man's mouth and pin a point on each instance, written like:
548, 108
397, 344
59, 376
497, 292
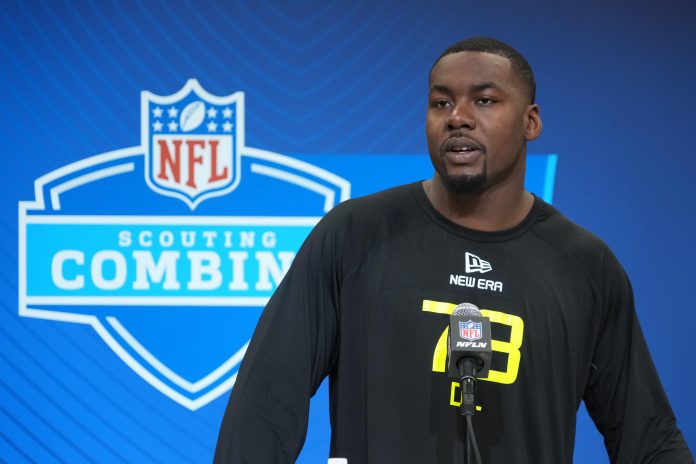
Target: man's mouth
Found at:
462, 149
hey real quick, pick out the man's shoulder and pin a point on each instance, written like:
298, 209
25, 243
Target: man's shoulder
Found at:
389, 198
363, 221
393, 203
572, 239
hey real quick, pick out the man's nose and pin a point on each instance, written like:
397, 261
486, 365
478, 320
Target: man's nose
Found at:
461, 118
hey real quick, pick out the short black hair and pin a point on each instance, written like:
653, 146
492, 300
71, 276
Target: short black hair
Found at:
520, 66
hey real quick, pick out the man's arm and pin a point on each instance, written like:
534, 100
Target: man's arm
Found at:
291, 351
624, 395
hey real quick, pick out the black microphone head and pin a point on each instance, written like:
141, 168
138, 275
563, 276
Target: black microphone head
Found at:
469, 337
466, 309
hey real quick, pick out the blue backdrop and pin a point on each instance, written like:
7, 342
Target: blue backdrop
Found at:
340, 86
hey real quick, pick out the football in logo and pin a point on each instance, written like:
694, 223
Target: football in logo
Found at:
192, 116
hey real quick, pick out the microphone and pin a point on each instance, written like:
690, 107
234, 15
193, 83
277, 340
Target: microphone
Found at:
469, 350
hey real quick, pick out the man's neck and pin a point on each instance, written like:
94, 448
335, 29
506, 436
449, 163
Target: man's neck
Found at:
501, 207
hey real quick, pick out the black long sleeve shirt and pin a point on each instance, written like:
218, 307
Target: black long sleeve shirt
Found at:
367, 302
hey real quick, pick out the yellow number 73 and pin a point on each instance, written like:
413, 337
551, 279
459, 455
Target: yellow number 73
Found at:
510, 347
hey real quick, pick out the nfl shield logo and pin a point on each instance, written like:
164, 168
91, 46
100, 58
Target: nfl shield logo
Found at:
192, 142
470, 330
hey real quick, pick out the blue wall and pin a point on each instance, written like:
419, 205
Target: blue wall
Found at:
615, 86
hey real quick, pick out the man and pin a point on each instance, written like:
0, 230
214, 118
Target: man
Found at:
368, 298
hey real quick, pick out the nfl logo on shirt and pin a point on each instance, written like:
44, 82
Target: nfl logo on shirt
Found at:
470, 330
192, 144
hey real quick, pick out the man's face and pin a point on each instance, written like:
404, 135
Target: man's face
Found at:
479, 118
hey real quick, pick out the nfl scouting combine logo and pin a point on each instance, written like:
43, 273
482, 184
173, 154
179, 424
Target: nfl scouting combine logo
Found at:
170, 249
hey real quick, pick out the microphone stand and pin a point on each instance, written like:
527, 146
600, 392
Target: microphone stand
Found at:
467, 375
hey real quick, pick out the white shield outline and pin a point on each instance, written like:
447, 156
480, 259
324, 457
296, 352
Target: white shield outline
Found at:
47, 197
193, 86
48, 190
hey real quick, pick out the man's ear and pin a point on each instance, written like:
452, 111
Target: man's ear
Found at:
533, 129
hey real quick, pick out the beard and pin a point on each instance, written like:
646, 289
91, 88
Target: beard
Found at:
464, 184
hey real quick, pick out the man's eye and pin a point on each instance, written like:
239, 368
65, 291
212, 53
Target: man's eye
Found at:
485, 101
441, 104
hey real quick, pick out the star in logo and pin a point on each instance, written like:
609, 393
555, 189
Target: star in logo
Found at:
212, 112
172, 112
227, 113
157, 112
212, 126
